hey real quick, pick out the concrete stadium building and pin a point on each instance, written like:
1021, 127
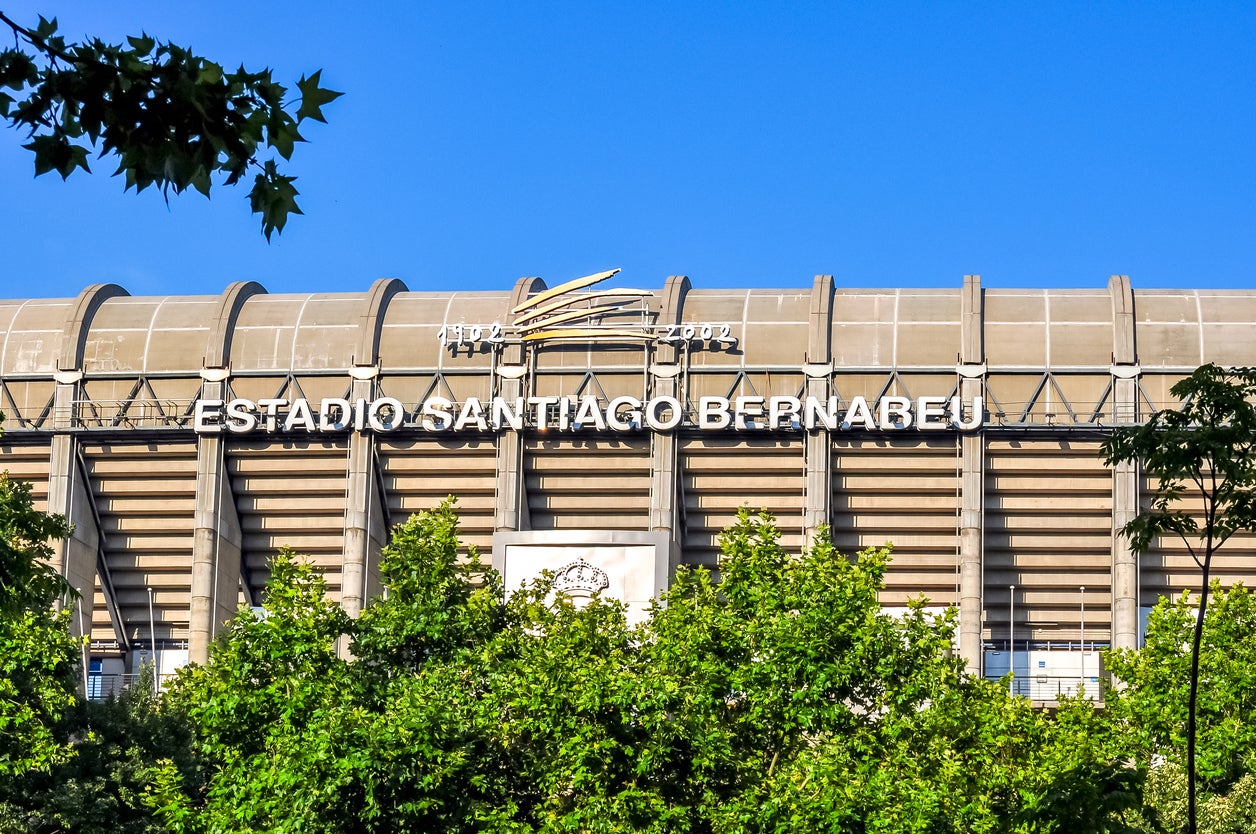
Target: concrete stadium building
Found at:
612, 434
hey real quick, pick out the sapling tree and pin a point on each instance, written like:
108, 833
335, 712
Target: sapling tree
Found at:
1201, 456
1149, 708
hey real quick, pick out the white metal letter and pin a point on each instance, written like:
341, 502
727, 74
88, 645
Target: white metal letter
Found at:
207, 410
271, 416
437, 414
619, 420
333, 414
472, 414
783, 408
859, 412
395, 410
240, 416
299, 416
895, 412
817, 413
503, 416
713, 413
590, 412
931, 413
655, 405
957, 414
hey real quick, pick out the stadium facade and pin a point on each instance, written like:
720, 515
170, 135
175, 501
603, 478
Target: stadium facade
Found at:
609, 435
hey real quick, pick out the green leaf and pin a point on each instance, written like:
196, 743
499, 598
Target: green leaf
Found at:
47, 150
78, 159
209, 73
16, 69
46, 28
142, 45
274, 197
282, 133
313, 97
200, 181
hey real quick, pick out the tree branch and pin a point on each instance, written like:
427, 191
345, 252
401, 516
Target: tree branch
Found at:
38, 42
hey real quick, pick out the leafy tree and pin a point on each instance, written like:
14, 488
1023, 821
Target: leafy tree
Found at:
781, 699
293, 736
172, 118
1202, 452
39, 660
428, 655
268, 717
1164, 805
115, 747
1150, 709
800, 705
66, 764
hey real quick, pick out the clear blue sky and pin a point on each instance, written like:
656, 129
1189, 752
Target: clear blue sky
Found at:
742, 144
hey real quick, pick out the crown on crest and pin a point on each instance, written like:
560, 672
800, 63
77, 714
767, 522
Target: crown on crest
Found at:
580, 576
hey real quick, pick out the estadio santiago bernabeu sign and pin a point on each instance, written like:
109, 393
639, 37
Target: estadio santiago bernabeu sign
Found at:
585, 413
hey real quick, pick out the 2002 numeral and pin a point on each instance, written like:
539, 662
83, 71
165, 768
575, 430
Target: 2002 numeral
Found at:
719, 333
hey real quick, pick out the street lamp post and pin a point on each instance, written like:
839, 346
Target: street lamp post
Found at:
152, 642
1082, 640
87, 636
1011, 639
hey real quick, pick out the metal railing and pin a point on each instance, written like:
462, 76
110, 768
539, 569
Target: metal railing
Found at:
102, 686
134, 413
1054, 687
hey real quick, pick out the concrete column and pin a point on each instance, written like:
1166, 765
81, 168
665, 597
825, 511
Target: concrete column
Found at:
512, 372
366, 526
69, 495
1125, 487
1124, 559
366, 507
665, 471
217, 542
972, 371
817, 444
666, 509
971, 591
512, 493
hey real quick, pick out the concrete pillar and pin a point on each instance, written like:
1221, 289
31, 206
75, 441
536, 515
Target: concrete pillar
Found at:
512, 493
217, 542
1125, 487
512, 372
817, 444
666, 507
366, 525
972, 371
366, 507
664, 471
69, 495
971, 573
1125, 583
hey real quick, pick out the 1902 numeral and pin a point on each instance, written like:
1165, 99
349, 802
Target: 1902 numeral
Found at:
471, 334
